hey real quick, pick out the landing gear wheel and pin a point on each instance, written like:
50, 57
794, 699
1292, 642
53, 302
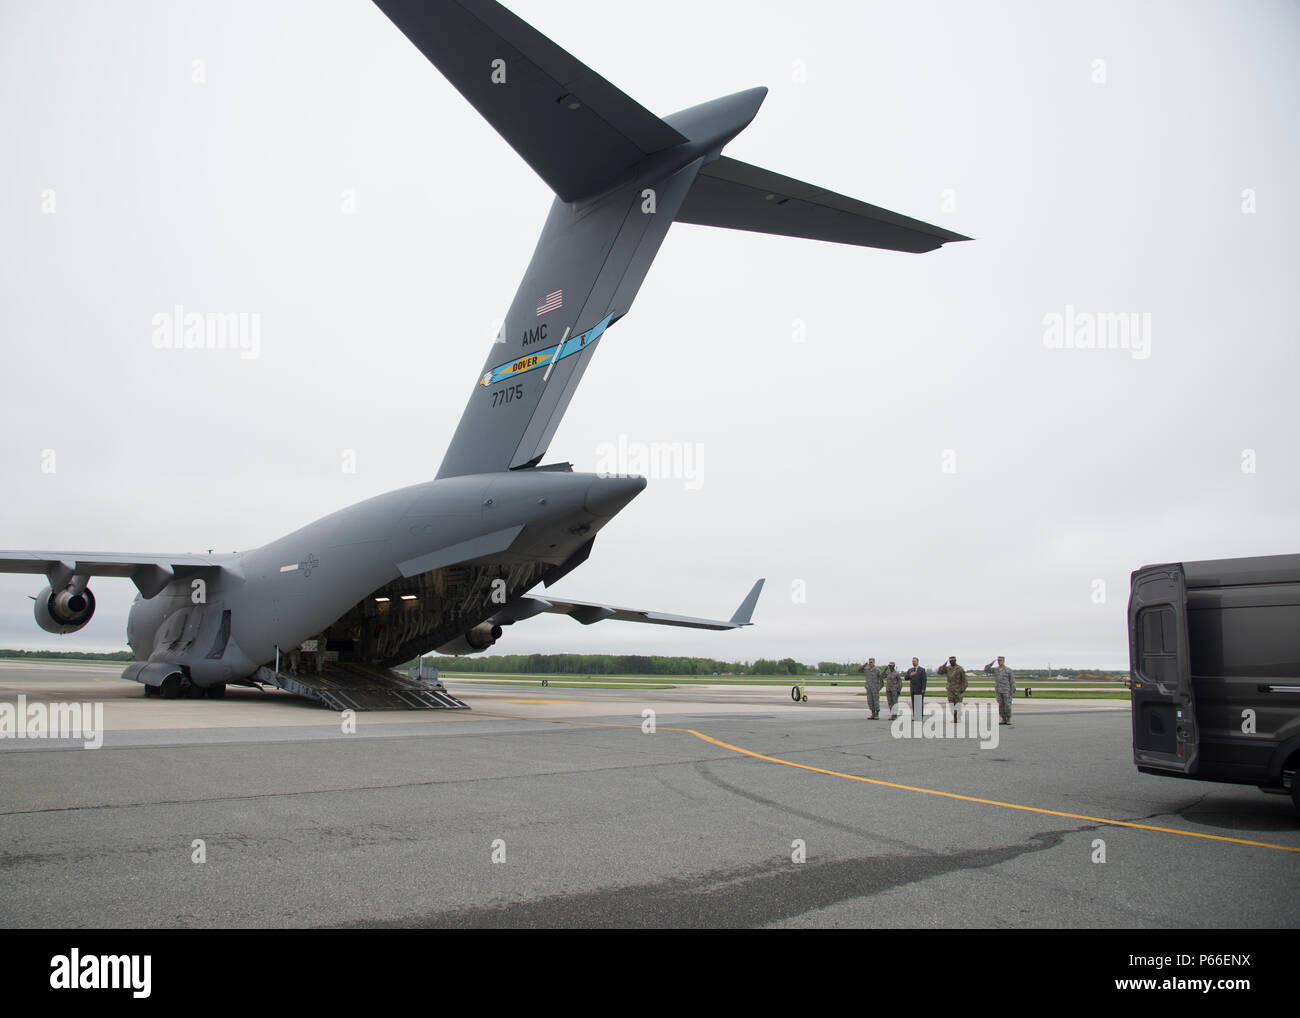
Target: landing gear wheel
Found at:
217, 692
170, 689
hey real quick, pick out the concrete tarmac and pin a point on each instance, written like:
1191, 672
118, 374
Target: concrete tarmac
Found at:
594, 821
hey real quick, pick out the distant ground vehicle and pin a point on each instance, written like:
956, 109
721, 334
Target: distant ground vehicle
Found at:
1214, 658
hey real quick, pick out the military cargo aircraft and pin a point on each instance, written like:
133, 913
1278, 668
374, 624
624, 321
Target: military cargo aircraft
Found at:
328, 610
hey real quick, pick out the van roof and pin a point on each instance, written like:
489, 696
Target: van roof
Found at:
1232, 572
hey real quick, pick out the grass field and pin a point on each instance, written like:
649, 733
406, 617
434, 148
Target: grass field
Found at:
1054, 689
514, 680
34, 659
1043, 688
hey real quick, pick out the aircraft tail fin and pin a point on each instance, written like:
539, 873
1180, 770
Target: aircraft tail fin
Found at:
737, 196
577, 131
622, 176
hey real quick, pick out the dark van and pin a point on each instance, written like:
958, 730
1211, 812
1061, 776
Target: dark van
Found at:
1214, 659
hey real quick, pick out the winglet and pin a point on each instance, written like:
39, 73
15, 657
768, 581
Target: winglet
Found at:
746, 609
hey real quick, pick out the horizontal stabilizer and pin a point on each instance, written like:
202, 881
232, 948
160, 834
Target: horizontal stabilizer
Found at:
737, 196
578, 132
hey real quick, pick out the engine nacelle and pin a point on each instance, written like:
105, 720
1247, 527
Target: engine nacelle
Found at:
64, 611
481, 637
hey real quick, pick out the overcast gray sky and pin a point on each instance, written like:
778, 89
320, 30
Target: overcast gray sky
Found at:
890, 439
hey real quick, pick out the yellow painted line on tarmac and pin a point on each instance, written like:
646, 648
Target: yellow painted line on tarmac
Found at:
924, 791
988, 802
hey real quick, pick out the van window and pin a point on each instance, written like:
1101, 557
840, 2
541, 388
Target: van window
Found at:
1257, 642
1157, 644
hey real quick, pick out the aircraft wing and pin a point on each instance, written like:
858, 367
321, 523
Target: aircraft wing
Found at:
150, 573
588, 612
737, 196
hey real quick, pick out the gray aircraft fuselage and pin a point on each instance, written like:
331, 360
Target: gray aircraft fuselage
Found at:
296, 587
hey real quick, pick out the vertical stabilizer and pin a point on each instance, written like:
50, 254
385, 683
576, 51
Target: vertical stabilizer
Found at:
621, 176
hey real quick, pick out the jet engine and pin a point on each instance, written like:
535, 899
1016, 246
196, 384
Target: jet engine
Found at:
64, 611
481, 637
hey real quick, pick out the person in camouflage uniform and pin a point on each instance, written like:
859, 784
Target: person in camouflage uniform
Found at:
1004, 684
872, 684
956, 676
893, 687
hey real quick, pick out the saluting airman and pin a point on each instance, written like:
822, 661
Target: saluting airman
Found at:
893, 687
872, 684
1004, 684
956, 676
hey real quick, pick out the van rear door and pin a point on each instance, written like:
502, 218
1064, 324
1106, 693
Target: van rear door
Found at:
1165, 736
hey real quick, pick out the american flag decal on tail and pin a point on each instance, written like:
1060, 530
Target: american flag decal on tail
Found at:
553, 302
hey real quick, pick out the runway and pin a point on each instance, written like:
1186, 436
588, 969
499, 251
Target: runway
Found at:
594, 821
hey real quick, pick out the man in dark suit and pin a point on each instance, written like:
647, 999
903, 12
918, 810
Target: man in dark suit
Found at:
916, 687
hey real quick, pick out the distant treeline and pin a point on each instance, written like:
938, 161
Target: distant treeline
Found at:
607, 664
641, 664
70, 655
